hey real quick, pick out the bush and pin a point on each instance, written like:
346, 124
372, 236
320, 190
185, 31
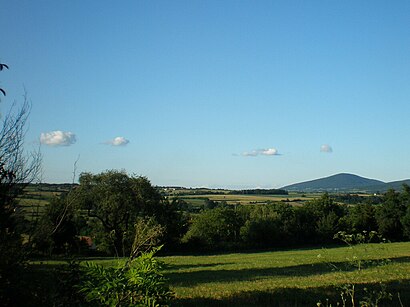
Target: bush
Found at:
138, 283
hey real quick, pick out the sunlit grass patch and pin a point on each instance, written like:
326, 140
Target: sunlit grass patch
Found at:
254, 278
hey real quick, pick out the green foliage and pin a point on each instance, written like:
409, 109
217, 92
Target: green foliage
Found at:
262, 228
215, 228
56, 231
363, 217
389, 216
147, 235
327, 215
405, 220
113, 201
140, 283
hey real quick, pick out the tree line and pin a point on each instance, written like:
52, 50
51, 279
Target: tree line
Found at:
106, 206
282, 225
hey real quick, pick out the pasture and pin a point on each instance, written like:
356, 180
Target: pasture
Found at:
288, 278
300, 277
238, 199
37, 196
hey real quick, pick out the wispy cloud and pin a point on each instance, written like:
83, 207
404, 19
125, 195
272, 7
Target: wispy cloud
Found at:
261, 152
117, 141
326, 148
57, 138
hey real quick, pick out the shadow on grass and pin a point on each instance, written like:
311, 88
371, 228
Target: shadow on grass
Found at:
301, 297
205, 276
186, 279
192, 266
400, 259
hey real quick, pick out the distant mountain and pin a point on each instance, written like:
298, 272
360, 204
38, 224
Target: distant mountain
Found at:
395, 185
339, 182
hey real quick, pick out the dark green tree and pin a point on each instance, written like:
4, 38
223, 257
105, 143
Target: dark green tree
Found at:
389, 216
217, 228
362, 217
327, 216
263, 228
114, 200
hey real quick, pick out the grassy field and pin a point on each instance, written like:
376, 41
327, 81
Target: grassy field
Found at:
287, 278
300, 277
233, 199
37, 197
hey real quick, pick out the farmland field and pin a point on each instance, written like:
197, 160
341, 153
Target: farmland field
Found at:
287, 278
37, 196
233, 199
300, 277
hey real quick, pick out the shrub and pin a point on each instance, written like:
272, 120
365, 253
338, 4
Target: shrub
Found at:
138, 283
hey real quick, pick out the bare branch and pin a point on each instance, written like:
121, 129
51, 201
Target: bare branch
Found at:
25, 167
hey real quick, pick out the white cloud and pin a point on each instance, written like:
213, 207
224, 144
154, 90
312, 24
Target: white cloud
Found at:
118, 141
252, 153
326, 148
269, 152
263, 152
57, 138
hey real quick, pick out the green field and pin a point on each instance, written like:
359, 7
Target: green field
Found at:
300, 277
36, 197
234, 199
286, 278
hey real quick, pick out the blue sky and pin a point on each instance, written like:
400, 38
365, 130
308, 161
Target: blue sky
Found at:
213, 93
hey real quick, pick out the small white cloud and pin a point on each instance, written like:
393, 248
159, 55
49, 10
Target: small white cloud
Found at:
252, 153
326, 148
57, 138
269, 152
263, 152
118, 141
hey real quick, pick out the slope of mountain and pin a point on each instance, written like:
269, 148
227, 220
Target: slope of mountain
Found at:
339, 182
395, 185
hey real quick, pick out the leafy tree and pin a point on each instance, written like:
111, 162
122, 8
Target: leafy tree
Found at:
114, 201
301, 226
405, 220
362, 217
215, 228
389, 216
327, 214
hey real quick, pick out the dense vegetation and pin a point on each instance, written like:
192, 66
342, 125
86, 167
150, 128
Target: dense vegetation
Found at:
283, 225
105, 207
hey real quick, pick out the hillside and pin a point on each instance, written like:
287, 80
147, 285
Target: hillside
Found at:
339, 182
346, 183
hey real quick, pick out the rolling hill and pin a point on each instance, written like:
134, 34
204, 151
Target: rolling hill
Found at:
345, 183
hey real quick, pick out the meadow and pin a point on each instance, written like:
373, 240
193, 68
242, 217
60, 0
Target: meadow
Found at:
289, 278
301, 277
